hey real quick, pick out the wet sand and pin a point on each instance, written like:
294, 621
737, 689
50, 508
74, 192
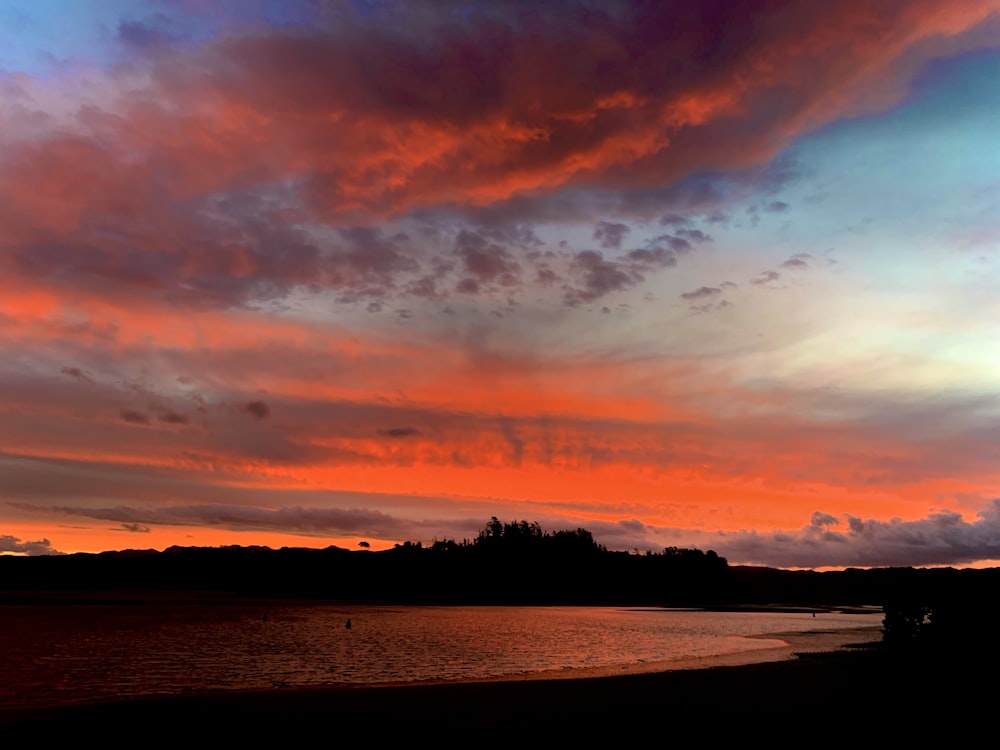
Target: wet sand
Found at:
855, 695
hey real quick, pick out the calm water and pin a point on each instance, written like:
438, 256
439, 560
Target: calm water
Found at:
68, 653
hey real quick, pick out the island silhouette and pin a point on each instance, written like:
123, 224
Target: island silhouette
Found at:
517, 563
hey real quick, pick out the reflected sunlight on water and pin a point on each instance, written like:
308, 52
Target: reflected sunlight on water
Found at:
68, 653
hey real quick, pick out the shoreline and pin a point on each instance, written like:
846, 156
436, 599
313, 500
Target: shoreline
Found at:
846, 696
792, 644
808, 667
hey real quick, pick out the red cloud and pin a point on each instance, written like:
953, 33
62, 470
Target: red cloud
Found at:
374, 119
195, 182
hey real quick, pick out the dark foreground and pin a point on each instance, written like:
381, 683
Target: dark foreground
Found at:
855, 698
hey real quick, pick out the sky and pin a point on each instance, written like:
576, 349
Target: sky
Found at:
721, 275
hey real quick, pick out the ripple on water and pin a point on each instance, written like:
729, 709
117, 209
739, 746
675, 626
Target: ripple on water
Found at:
69, 653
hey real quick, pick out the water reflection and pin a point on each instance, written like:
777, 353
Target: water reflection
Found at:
69, 653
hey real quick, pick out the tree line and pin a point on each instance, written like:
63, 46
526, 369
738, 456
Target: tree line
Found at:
507, 563
519, 563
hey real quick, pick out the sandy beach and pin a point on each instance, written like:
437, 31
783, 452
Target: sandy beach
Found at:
860, 693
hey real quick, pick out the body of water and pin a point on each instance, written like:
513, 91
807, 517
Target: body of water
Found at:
72, 653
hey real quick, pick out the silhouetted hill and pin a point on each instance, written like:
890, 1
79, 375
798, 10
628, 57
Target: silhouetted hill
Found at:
514, 563
506, 564
860, 586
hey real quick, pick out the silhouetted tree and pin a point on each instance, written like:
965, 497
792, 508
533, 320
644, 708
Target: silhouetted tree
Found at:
905, 623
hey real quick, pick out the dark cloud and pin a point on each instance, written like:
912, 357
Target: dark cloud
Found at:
516, 235
674, 220
546, 276
942, 538
296, 520
135, 417
820, 519
135, 528
370, 257
10, 543
486, 261
648, 259
599, 276
776, 207
675, 243
514, 441
702, 292
172, 417
765, 277
784, 169
257, 409
711, 306
226, 249
695, 235
610, 234
400, 432
798, 261
423, 287
76, 372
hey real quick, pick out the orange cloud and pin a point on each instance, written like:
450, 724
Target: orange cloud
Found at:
376, 122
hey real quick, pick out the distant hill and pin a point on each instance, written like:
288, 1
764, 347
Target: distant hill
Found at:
506, 564
512, 563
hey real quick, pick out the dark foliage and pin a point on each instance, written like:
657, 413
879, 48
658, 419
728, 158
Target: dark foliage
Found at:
519, 563
935, 610
506, 563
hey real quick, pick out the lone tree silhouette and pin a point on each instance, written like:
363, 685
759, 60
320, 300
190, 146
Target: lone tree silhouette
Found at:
364, 545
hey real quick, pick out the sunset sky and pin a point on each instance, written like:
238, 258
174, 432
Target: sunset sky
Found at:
715, 274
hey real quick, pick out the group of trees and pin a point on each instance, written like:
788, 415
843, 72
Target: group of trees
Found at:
520, 563
943, 621
522, 537
507, 563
